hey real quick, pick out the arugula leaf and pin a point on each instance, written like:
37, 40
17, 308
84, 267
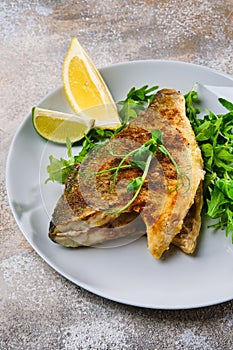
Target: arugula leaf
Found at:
215, 203
226, 187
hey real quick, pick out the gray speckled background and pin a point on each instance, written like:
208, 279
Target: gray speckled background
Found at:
40, 309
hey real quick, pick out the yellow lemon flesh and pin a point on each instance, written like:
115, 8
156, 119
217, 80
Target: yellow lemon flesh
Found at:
57, 126
85, 89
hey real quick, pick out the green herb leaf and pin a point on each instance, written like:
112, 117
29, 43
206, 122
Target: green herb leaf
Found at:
134, 184
137, 100
140, 156
59, 168
207, 150
191, 110
157, 136
215, 203
214, 134
229, 221
227, 104
226, 187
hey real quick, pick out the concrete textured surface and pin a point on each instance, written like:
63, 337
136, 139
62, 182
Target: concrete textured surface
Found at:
39, 308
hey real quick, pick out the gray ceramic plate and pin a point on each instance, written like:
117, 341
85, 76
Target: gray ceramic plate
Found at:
127, 274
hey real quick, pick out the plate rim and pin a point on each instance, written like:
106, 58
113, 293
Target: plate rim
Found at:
85, 286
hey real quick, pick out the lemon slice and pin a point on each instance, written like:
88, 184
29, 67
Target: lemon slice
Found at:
86, 90
57, 126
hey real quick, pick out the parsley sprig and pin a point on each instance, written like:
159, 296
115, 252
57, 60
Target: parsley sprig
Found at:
214, 134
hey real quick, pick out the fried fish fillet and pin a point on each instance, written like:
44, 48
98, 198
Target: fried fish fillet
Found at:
82, 215
167, 113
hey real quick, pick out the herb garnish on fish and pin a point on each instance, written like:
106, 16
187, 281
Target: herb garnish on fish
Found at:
141, 158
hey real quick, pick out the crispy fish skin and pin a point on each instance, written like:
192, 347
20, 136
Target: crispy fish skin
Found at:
78, 220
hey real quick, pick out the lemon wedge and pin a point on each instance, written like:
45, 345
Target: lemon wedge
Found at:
86, 90
57, 126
